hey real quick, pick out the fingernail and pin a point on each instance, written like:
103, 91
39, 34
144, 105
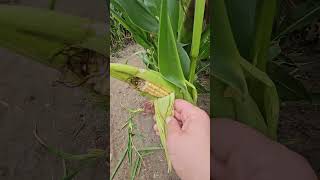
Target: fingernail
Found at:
168, 119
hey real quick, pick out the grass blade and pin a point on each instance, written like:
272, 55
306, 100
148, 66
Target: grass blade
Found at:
297, 23
119, 164
136, 168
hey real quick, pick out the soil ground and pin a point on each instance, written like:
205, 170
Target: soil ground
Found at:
300, 121
67, 119
121, 97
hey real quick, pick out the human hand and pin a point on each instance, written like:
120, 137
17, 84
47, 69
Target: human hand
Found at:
241, 153
188, 141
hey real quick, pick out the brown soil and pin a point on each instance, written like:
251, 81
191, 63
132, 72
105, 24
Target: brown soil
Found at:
299, 121
66, 117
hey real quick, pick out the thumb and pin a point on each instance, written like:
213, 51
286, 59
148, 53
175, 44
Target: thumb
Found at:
173, 126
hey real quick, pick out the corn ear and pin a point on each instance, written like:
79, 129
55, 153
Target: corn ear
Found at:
163, 109
150, 83
153, 85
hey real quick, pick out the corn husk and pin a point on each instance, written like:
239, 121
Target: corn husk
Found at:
164, 109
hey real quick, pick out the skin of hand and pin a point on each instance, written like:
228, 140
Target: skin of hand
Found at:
188, 141
241, 153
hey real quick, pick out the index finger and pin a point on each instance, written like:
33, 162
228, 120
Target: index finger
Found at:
182, 106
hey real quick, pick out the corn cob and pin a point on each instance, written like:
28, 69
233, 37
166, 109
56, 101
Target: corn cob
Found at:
151, 83
147, 87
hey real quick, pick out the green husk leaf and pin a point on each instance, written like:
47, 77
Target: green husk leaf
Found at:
164, 109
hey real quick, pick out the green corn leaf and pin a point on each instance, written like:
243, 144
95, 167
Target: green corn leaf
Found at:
259, 107
193, 92
136, 32
266, 10
184, 60
220, 105
41, 50
225, 63
168, 56
271, 108
249, 113
68, 29
97, 44
163, 109
138, 14
256, 73
264, 94
22, 26
242, 15
153, 6
229, 104
173, 11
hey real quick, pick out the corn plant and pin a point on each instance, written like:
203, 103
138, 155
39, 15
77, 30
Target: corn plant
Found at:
244, 43
173, 50
240, 87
